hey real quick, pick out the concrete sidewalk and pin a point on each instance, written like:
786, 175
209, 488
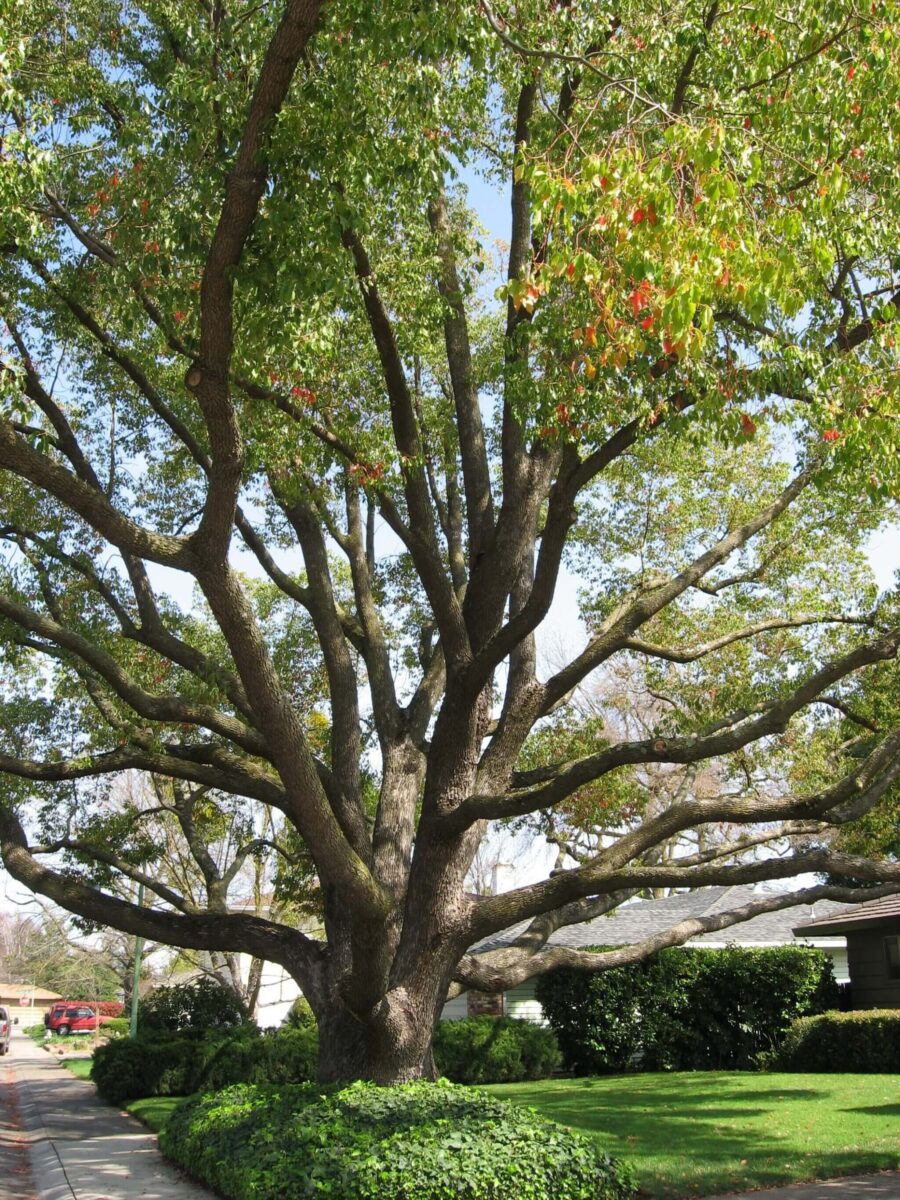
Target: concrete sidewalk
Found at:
77, 1147
885, 1186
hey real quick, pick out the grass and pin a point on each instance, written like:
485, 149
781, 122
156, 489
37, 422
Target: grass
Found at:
78, 1066
701, 1133
154, 1111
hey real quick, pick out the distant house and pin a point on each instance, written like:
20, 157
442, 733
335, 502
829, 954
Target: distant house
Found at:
872, 930
642, 919
629, 923
27, 1003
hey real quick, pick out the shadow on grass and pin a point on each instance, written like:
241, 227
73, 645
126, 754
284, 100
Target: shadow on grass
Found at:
704, 1134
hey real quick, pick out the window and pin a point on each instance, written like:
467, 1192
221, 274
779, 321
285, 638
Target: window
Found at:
892, 956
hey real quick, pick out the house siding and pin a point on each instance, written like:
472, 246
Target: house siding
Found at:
871, 988
522, 1004
455, 1009
840, 964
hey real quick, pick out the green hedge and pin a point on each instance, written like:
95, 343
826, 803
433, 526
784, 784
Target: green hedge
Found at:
420, 1141
203, 1004
477, 1050
495, 1050
867, 1041
177, 1065
685, 1009
115, 1027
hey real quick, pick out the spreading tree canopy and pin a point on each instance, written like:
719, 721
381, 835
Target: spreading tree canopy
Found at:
257, 342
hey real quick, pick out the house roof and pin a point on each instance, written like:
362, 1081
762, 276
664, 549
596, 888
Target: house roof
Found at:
636, 921
870, 914
15, 991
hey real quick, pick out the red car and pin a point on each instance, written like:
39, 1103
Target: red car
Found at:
71, 1018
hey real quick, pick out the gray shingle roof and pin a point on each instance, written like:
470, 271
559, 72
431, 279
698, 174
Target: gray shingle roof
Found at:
873, 912
636, 921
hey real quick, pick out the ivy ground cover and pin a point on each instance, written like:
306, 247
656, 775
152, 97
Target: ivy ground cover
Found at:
704, 1133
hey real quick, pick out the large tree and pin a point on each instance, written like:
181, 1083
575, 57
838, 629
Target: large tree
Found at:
252, 343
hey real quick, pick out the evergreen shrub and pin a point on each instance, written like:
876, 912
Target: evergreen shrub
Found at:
867, 1042
418, 1141
300, 1014
115, 1027
203, 1005
494, 1050
131, 1068
685, 1009
183, 1063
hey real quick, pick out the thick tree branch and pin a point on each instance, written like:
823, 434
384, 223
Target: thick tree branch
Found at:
857, 791
208, 379
473, 451
238, 932
472, 973
143, 703
423, 535
622, 624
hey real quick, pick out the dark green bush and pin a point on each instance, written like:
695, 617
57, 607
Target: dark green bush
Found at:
867, 1041
115, 1027
421, 1141
179, 1064
494, 1050
685, 1009
204, 1004
129, 1068
275, 1056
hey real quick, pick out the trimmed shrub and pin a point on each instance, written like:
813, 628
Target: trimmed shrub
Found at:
109, 1008
115, 1027
274, 1056
865, 1042
180, 1064
685, 1009
202, 1005
130, 1068
495, 1050
419, 1141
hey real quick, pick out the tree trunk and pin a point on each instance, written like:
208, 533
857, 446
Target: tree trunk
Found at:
393, 1048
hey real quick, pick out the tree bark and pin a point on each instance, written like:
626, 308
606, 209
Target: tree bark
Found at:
385, 1053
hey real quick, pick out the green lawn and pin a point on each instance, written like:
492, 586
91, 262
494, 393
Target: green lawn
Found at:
78, 1066
154, 1111
700, 1133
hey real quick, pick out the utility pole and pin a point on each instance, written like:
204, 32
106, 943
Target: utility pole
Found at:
138, 950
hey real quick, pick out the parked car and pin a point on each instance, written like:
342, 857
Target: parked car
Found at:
73, 1018
59, 1007
6, 1024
